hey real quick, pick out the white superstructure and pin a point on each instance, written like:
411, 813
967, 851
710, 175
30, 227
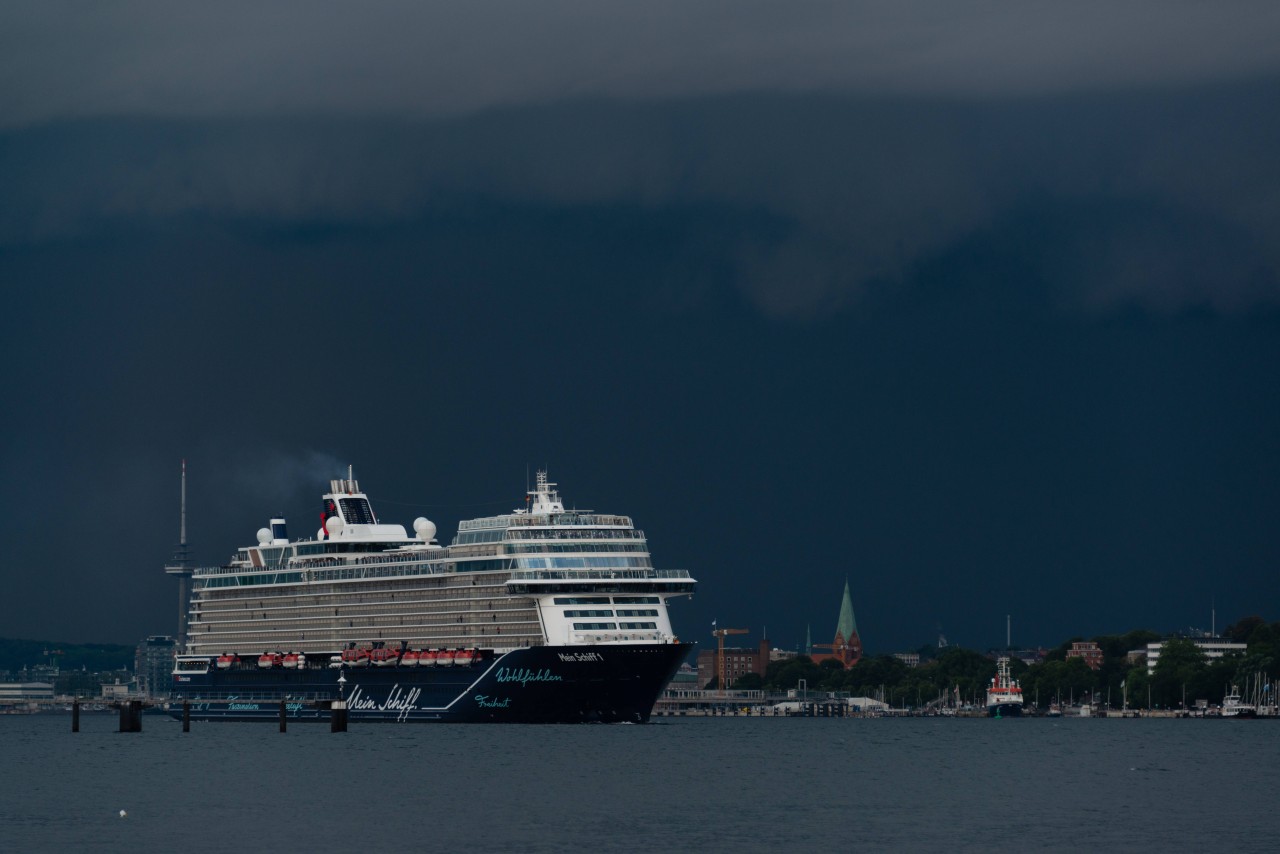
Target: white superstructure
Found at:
538, 575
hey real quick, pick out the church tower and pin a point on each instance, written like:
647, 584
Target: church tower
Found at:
846, 647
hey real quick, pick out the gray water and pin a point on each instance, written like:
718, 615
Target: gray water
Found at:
735, 784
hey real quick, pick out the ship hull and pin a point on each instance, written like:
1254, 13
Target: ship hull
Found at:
547, 684
1005, 710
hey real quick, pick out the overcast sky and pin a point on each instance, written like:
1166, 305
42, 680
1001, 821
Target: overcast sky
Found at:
978, 309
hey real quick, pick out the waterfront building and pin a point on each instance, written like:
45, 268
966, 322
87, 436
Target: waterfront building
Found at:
846, 647
738, 662
117, 690
911, 659
1087, 650
1212, 647
25, 693
153, 665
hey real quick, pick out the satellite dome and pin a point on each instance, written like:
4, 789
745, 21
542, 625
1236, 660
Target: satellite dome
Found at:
334, 526
426, 529
264, 536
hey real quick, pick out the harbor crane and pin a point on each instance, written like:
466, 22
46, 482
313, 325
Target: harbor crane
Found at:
720, 636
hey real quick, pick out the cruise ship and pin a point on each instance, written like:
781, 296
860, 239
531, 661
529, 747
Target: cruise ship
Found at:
543, 614
1004, 696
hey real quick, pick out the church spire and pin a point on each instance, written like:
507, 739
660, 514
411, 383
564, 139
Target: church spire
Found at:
847, 626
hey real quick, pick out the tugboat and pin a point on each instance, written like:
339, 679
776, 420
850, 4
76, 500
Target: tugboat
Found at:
1004, 696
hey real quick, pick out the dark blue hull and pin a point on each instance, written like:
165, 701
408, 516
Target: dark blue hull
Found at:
610, 684
1005, 710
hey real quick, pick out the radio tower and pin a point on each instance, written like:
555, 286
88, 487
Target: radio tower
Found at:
180, 567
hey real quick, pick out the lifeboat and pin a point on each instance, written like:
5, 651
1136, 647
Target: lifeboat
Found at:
270, 659
225, 661
292, 661
384, 657
428, 658
445, 658
356, 657
465, 657
410, 658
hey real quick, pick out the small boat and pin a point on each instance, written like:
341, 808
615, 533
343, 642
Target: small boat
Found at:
445, 658
410, 658
465, 657
428, 657
1232, 707
293, 661
225, 661
270, 659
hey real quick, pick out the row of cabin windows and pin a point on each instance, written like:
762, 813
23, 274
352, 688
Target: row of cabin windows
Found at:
590, 627
546, 548
582, 563
604, 600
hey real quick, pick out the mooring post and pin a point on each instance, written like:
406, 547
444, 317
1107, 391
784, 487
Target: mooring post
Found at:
135, 715
128, 722
75, 715
338, 716
338, 708
282, 716
186, 716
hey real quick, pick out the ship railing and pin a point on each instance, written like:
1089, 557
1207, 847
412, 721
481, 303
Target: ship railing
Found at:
546, 520
596, 574
335, 570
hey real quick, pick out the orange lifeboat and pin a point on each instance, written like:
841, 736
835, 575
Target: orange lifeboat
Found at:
410, 658
465, 657
225, 661
292, 661
445, 658
270, 659
356, 657
384, 657
428, 658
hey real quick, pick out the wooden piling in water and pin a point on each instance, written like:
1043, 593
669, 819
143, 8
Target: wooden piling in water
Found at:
75, 715
186, 716
283, 713
130, 716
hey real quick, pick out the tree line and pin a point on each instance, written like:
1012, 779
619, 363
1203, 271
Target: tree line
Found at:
1182, 671
17, 655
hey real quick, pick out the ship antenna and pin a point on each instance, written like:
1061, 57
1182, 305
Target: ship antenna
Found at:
180, 565
182, 526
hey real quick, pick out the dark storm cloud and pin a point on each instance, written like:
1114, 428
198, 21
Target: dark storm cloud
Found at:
1025, 258
418, 59
894, 131
1165, 200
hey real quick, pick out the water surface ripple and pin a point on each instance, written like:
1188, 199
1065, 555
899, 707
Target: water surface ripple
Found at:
736, 784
